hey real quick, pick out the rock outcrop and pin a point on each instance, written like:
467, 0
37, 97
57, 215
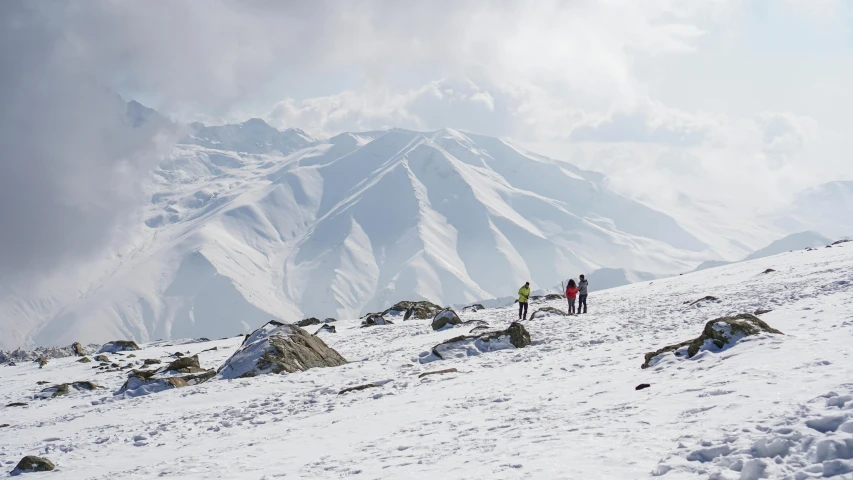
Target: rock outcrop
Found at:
77, 347
66, 388
31, 463
444, 319
184, 365
308, 322
420, 310
84, 360
473, 308
375, 319
326, 328
119, 346
102, 358
516, 336
718, 334
278, 348
545, 311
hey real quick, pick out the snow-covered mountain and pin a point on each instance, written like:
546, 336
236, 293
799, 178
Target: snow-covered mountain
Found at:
246, 223
794, 241
826, 208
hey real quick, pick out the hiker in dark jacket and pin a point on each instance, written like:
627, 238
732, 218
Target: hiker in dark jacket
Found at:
523, 296
571, 294
583, 290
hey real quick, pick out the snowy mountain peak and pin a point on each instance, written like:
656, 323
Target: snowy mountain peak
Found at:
248, 223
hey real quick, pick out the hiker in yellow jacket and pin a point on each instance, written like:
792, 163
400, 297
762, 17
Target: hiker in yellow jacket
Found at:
523, 295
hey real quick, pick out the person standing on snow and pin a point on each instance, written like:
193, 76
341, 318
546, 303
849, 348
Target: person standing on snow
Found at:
583, 290
571, 294
523, 295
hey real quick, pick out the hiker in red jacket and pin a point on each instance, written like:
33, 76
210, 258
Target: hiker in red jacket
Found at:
571, 295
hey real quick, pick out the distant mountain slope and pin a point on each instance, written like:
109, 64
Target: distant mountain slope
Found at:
247, 223
795, 241
826, 208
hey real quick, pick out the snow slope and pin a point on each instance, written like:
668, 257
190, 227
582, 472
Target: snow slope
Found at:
564, 407
247, 223
794, 241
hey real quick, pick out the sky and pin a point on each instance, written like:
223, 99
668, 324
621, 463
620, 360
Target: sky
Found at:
679, 102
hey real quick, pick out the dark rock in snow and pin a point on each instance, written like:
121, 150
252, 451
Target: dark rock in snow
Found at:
66, 388
102, 358
84, 360
330, 320
642, 386
4, 425
185, 365
307, 322
32, 463
514, 336
16, 404
151, 361
839, 242
545, 311
327, 328
438, 372
78, 349
420, 310
356, 389
177, 355
277, 348
554, 296
42, 382
212, 349
762, 311
719, 333
375, 319
445, 318
707, 298
119, 346
769, 270
42, 362
473, 308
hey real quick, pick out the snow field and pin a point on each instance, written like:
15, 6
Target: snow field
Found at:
564, 407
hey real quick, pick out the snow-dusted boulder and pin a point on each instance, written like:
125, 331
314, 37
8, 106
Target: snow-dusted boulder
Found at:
375, 319
32, 463
326, 328
473, 308
717, 335
185, 365
422, 310
119, 346
308, 322
66, 388
445, 318
546, 311
278, 347
516, 336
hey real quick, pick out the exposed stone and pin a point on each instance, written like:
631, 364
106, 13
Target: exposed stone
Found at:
515, 335
308, 322
102, 358
66, 388
707, 298
212, 349
445, 318
115, 365
132, 355
4, 425
143, 374
360, 387
151, 361
839, 242
720, 332
119, 346
78, 349
545, 311
642, 386
184, 365
41, 361
330, 320
277, 348
177, 355
16, 404
84, 360
42, 382
328, 328
473, 308
420, 310
31, 463
375, 319
762, 311
438, 372
554, 296
769, 270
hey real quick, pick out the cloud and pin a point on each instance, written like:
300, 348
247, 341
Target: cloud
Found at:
70, 160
